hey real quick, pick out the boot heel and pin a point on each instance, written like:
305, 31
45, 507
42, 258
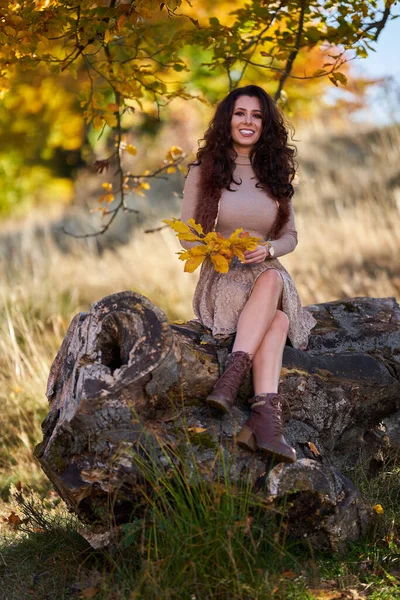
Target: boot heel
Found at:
247, 439
222, 405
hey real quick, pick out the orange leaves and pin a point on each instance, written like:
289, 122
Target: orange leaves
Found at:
220, 250
13, 520
109, 196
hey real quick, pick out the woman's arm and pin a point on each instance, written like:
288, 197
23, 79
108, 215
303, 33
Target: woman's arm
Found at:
287, 240
188, 210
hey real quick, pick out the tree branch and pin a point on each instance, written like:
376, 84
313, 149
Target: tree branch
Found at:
379, 25
294, 52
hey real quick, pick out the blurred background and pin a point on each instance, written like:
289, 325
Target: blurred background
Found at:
347, 208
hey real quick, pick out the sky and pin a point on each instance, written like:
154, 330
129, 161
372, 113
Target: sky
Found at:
384, 62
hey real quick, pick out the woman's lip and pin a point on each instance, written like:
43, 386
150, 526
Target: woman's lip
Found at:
246, 132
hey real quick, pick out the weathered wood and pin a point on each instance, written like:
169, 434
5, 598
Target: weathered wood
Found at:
125, 381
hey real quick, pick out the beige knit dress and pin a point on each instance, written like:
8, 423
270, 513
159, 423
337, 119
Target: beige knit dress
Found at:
220, 297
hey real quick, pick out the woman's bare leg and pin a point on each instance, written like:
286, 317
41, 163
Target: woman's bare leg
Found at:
267, 361
258, 312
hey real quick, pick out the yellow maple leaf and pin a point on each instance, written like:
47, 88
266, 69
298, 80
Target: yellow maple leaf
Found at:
239, 253
195, 251
192, 263
221, 264
196, 226
189, 237
177, 225
219, 249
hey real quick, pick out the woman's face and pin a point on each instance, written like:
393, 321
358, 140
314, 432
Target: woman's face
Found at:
246, 123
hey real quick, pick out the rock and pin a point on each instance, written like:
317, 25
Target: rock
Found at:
127, 387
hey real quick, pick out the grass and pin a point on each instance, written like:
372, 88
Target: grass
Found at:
202, 543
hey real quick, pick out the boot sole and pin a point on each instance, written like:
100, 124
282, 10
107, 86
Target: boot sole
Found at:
219, 404
247, 439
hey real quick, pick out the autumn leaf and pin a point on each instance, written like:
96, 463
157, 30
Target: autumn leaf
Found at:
289, 574
189, 237
378, 508
131, 149
197, 429
106, 198
219, 249
313, 448
192, 263
177, 225
220, 263
173, 153
13, 519
97, 122
90, 592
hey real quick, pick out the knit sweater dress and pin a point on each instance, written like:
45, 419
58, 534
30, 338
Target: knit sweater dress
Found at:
220, 297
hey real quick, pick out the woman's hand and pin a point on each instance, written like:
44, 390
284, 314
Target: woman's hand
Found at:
256, 256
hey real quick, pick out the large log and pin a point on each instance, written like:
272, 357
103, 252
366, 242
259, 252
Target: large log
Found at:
126, 383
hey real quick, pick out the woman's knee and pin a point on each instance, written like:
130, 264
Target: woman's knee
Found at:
280, 322
269, 280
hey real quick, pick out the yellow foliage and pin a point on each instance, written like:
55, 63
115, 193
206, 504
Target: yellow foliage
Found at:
220, 250
131, 149
173, 153
106, 198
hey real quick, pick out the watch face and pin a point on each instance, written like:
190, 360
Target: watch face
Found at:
271, 251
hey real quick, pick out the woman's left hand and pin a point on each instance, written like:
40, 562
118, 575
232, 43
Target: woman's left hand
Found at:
256, 256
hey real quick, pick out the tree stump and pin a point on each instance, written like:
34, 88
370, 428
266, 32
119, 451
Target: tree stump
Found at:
125, 383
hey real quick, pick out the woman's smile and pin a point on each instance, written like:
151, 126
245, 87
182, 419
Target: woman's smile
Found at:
246, 123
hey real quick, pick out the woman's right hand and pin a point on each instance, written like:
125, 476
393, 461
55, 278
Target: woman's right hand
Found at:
256, 256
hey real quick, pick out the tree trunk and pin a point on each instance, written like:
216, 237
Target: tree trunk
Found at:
126, 383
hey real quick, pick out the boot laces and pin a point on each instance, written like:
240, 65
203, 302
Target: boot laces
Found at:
274, 415
235, 371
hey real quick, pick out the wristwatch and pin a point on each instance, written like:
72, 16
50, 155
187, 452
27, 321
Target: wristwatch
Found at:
271, 249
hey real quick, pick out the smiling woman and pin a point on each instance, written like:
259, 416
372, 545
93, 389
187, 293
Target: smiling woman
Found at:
243, 178
246, 123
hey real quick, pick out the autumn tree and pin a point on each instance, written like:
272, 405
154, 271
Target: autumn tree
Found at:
139, 54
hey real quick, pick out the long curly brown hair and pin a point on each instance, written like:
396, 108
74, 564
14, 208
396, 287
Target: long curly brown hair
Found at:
272, 158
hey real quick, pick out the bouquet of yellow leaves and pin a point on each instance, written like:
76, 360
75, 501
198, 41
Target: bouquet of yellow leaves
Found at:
221, 250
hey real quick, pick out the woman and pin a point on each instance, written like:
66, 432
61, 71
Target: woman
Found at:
243, 177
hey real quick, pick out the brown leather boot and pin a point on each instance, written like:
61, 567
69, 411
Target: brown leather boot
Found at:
224, 392
264, 431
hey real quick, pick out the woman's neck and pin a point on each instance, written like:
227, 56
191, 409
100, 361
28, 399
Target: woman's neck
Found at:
242, 159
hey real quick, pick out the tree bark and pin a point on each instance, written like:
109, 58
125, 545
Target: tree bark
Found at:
126, 383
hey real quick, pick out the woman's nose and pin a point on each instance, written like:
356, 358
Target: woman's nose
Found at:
248, 119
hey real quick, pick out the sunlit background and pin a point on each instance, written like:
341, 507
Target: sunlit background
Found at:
347, 210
